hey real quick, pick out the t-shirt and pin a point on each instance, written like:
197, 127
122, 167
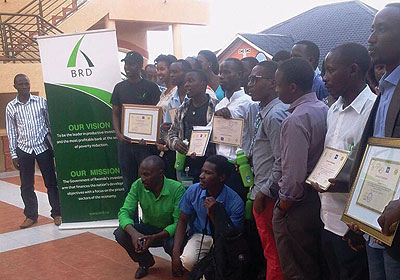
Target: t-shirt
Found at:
142, 93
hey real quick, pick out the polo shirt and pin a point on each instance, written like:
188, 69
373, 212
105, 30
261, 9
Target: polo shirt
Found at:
162, 211
192, 204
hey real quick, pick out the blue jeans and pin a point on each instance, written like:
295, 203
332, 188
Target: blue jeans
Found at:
381, 265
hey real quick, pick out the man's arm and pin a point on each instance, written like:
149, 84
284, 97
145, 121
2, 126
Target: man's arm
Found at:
178, 243
12, 135
116, 121
390, 215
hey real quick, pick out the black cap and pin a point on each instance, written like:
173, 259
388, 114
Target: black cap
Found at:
133, 57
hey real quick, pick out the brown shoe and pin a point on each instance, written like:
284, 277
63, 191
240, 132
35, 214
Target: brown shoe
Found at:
27, 223
57, 220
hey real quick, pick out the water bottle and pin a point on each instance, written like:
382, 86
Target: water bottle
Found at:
244, 168
249, 208
181, 158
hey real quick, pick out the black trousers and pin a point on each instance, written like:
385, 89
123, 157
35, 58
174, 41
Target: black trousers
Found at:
298, 239
45, 161
146, 258
343, 262
130, 156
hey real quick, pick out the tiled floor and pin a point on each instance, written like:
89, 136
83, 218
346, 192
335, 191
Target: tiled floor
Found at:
46, 252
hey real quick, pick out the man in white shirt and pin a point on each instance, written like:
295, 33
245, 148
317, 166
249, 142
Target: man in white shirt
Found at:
234, 105
345, 70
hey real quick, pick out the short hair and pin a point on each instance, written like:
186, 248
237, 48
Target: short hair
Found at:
155, 160
212, 58
270, 67
185, 65
236, 62
298, 71
149, 65
222, 165
197, 63
350, 53
281, 56
167, 59
311, 49
251, 60
20, 75
200, 74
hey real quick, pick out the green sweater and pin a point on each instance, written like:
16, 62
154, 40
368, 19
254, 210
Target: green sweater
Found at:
162, 212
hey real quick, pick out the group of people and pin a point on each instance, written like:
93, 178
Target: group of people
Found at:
291, 111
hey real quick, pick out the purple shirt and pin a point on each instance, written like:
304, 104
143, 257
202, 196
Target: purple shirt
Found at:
302, 142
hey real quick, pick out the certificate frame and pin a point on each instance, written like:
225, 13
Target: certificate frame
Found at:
376, 184
200, 132
233, 125
150, 118
327, 155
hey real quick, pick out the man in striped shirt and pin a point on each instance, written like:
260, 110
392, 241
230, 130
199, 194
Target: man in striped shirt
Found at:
27, 125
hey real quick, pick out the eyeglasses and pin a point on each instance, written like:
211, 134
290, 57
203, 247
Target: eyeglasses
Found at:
254, 78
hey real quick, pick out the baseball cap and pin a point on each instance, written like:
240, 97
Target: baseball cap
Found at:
133, 57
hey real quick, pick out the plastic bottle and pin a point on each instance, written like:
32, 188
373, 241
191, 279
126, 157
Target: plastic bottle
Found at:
249, 208
181, 158
244, 168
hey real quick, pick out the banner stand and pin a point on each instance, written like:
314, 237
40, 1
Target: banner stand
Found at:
90, 225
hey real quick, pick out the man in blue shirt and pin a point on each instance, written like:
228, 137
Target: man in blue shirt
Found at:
310, 52
199, 202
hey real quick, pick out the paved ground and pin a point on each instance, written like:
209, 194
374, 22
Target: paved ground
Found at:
46, 252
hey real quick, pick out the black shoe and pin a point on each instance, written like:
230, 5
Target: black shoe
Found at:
143, 270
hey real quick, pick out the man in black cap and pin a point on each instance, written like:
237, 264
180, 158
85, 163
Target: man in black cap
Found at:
134, 90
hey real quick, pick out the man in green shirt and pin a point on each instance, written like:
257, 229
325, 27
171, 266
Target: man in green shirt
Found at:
159, 198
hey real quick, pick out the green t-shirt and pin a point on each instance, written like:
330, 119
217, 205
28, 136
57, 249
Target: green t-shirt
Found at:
162, 212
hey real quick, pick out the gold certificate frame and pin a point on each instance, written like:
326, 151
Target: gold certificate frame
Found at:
227, 131
141, 122
328, 166
376, 184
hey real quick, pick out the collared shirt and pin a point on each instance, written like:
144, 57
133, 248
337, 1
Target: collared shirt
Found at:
27, 125
193, 200
174, 103
164, 99
387, 86
177, 129
319, 86
238, 106
302, 142
345, 127
162, 211
267, 149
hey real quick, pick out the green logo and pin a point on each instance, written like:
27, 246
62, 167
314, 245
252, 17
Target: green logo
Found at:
74, 55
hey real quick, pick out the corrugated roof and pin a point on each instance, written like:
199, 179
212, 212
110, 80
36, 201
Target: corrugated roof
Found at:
270, 43
329, 25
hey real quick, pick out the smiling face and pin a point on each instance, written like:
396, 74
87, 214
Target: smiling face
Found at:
162, 71
384, 41
337, 75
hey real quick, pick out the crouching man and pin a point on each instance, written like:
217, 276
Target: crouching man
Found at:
199, 202
159, 198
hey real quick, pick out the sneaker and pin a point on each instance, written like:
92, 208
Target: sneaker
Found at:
142, 270
27, 223
57, 220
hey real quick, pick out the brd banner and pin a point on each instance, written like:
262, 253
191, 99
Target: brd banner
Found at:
80, 71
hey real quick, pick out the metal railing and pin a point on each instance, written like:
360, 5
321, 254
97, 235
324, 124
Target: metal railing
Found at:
38, 17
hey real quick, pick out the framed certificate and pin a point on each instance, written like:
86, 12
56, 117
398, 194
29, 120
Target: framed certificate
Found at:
199, 141
328, 166
227, 131
376, 184
141, 122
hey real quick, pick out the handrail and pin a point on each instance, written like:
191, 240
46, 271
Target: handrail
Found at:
32, 15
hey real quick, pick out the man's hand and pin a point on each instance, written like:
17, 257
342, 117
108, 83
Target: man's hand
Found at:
177, 269
259, 202
180, 147
135, 236
354, 228
15, 163
224, 112
193, 155
390, 215
142, 142
335, 186
148, 240
210, 203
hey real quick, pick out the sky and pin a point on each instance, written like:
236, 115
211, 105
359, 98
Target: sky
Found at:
229, 17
